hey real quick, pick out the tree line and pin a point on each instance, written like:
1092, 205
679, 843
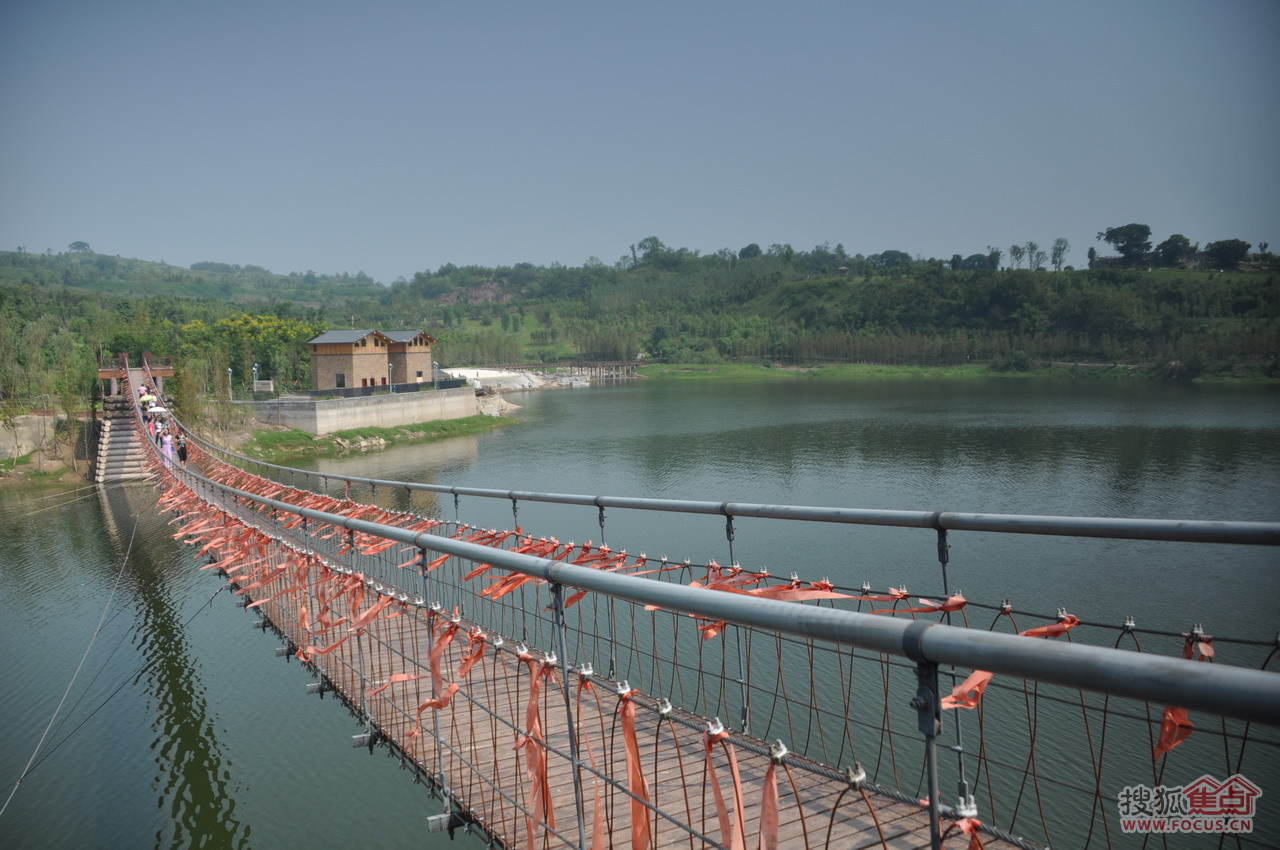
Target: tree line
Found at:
61, 314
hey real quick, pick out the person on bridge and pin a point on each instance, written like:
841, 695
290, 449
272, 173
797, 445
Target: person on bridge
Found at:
166, 447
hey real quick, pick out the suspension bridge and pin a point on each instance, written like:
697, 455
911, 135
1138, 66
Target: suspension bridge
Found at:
554, 694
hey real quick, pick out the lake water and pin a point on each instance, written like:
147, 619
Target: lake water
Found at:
183, 729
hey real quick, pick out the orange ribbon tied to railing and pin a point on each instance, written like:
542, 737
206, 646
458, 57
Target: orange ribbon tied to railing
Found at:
895, 594
475, 651
584, 733
1066, 622
636, 782
952, 603
371, 613
540, 805
1198, 641
732, 833
437, 653
967, 693
969, 827
1175, 727
769, 799
795, 591
394, 679
441, 701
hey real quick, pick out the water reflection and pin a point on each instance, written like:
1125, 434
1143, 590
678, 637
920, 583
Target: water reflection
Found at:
192, 775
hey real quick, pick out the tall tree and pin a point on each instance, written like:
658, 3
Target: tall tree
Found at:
1058, 252
1131, 241
1035, 257
1173, 250
1016, 253
1227, 253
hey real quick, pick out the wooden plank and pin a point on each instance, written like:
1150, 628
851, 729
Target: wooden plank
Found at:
481, 764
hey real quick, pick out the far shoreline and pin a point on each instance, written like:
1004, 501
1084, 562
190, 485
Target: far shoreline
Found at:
882, 372
279, 445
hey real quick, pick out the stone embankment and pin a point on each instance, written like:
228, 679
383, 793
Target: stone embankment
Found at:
490, 384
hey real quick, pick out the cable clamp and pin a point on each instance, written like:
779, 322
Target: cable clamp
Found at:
499, 641
777, 752
715, 727
665, 708
855, 776
1006, 607
624, 689
586, 671
1129, 624
550, 659
966, 807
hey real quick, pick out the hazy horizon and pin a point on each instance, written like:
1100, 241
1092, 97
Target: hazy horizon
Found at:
395, 137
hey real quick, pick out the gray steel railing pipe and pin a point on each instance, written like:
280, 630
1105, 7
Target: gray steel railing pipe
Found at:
1175, 530
1250, 695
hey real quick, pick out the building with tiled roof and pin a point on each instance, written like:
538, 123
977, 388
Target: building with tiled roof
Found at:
344, 359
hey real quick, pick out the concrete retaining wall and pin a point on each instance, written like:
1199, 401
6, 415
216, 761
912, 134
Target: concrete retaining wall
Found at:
29, 433
382, 411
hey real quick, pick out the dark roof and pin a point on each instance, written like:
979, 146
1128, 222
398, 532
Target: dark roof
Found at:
340, 336
400, 336
357, 335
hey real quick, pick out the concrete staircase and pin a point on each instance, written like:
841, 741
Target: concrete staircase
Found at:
121, 446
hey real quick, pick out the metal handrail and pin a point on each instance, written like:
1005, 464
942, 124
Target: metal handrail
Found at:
1241, 693
1179, 530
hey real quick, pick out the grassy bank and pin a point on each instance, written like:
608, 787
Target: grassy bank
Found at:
278, 446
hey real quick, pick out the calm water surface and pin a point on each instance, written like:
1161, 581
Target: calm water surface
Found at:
184, 730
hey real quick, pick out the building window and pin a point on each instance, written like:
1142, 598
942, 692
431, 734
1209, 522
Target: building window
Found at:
418, 374
339, 380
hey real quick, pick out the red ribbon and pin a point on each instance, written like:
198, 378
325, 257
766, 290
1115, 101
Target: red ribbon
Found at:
540, 807
597, 807
731, 835
1175, 728
769, 809
967, 693
636, 782
474, 653
395, 678
951, 603
1066, 624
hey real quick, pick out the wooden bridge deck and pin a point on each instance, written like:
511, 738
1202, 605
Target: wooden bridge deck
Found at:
479, 763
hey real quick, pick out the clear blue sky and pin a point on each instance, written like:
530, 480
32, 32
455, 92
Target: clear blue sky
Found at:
393, 137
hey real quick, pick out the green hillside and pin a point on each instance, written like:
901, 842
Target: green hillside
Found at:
60, 313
